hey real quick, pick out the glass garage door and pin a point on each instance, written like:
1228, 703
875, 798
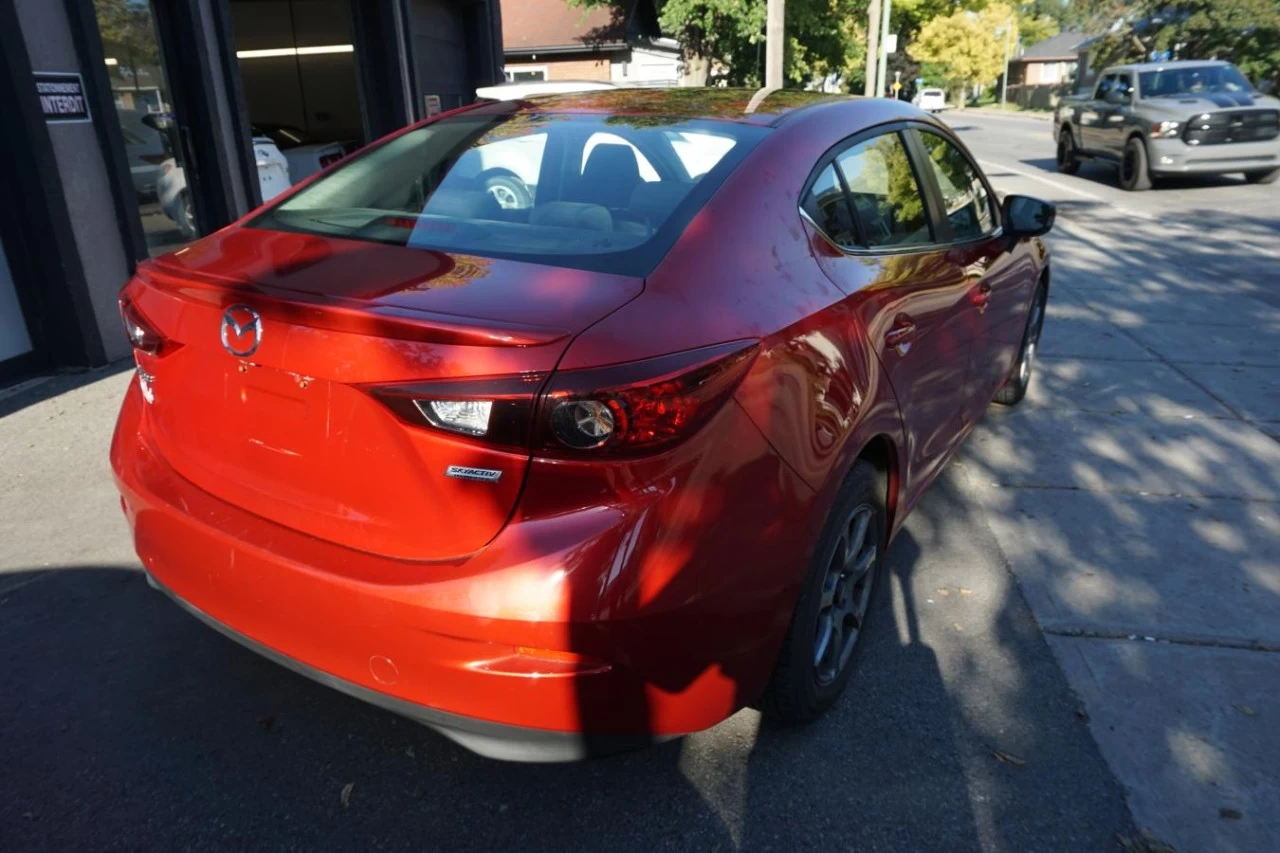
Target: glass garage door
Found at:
14, 339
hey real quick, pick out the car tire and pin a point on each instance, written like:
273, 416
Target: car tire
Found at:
1262, 176
1068, 160
839, 594
1135, 176
1015, 387
186, 216
508, 191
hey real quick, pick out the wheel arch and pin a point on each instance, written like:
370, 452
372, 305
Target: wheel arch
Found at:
882, 453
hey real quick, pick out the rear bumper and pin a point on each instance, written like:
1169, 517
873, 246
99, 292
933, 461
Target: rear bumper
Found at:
569, 635
1175, 157
494, 740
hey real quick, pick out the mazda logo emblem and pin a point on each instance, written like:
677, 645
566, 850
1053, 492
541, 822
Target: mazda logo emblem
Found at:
241, 330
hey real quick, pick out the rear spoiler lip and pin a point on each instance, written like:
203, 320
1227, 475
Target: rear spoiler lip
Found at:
345, 315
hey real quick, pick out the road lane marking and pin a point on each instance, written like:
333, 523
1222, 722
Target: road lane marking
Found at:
1068, 189
1042, 179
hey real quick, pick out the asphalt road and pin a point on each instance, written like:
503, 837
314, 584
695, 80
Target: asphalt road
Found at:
126, 725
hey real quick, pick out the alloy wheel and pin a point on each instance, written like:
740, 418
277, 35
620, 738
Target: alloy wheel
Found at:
846, 593
504, 196
1034, 324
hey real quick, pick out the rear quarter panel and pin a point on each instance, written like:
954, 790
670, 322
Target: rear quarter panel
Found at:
745, 268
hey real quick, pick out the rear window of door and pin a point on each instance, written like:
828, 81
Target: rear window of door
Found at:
967, 204
826, 205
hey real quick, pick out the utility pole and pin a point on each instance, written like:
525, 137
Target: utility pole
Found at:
873, 47
774, 35
882, 74
1004, 81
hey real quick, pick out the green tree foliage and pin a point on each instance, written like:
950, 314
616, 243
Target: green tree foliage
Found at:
968, 46
727, 37
1034, 27
126, 35
1246, 32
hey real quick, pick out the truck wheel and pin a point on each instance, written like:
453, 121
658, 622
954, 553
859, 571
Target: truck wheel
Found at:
1068, 162
1264, 176
1134, 175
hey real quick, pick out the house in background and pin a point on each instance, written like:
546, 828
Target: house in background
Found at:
550, 40
1049, 62
1046, 70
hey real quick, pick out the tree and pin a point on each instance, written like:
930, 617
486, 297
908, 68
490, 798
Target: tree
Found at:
968, 46
126, 34
1245, 32
726, 37
1034, 27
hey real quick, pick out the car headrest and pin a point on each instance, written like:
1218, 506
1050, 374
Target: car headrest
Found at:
572, 214
612, 163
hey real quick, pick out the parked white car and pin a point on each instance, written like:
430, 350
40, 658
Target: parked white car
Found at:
175, 200
306, 154
529, 88
933, 100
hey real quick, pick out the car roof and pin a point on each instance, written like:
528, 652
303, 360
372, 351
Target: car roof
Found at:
1159, 66
752, 106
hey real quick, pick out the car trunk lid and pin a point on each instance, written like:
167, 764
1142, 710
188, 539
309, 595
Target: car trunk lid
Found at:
279, 421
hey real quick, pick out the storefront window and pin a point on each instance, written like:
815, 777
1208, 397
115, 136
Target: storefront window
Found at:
145, 111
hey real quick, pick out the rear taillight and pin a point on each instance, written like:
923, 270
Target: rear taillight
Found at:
642, 406
141, 334
624, 409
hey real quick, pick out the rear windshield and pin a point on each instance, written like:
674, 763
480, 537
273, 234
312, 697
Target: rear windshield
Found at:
597, 192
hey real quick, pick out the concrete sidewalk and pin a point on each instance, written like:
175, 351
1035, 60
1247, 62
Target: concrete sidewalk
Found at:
1136, 496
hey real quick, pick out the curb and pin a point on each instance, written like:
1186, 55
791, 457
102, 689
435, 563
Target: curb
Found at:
1038, 115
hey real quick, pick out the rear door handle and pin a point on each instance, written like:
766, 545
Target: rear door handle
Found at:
980, 296
900, 335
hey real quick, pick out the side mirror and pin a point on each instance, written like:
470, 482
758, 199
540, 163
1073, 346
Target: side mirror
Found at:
1025, 216
1115, 96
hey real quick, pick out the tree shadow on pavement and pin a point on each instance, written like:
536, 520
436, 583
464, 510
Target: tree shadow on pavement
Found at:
1135, 495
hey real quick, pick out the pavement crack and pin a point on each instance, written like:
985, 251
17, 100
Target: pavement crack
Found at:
1142, 493
1145, 636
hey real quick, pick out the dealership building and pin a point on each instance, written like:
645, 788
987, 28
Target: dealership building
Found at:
131, 127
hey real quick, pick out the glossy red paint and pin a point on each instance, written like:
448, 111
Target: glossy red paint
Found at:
628, 596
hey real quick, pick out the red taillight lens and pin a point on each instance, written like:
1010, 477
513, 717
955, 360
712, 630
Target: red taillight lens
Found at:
624, 409
141, 334
643, 406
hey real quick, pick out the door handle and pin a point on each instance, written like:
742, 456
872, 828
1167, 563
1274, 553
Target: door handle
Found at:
900, 334
980, 296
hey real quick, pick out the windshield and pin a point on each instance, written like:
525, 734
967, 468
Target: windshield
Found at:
598, 192
1193, 80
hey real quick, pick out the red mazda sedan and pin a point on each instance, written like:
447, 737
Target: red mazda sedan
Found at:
576, 423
